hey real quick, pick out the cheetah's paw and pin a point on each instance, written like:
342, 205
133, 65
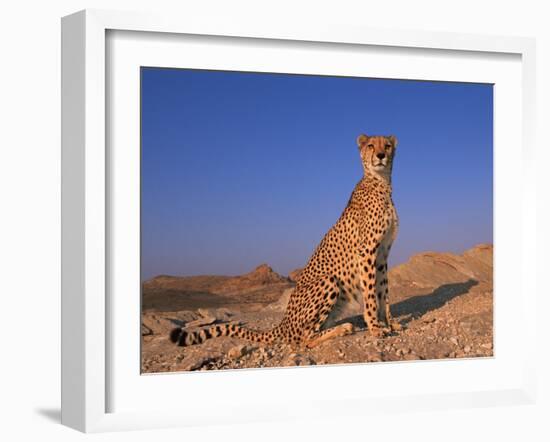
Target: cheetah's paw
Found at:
395, 326
376, 331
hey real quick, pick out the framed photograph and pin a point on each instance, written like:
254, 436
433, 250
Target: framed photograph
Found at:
257, 211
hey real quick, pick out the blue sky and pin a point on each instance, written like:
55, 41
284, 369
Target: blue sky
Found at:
240, 168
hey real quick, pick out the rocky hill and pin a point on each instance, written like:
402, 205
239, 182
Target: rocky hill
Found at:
262, 285
259, 277
443, 301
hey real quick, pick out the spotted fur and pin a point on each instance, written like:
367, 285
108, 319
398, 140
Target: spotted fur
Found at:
349, 263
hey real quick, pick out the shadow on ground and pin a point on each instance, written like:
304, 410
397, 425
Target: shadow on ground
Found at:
419, 305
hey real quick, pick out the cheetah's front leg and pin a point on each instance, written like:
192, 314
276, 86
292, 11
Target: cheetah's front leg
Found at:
382, 291
368, 285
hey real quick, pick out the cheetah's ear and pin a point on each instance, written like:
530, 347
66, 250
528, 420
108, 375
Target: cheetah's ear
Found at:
362, 139
393, 140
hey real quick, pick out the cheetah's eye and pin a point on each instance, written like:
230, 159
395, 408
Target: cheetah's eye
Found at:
387, 146
370, 146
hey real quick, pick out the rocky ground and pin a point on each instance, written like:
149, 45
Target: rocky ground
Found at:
444, 303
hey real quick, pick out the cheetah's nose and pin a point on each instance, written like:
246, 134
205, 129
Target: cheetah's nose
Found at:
381, 155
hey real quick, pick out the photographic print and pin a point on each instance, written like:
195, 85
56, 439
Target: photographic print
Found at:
299, 220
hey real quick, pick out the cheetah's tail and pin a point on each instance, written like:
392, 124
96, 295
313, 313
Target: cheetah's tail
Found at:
185, 338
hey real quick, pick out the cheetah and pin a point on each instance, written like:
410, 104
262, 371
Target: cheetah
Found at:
349, 263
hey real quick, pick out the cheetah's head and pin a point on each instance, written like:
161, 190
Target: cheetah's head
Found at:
377, 153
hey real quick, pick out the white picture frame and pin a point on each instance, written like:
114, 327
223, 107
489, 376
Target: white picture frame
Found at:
86, 203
